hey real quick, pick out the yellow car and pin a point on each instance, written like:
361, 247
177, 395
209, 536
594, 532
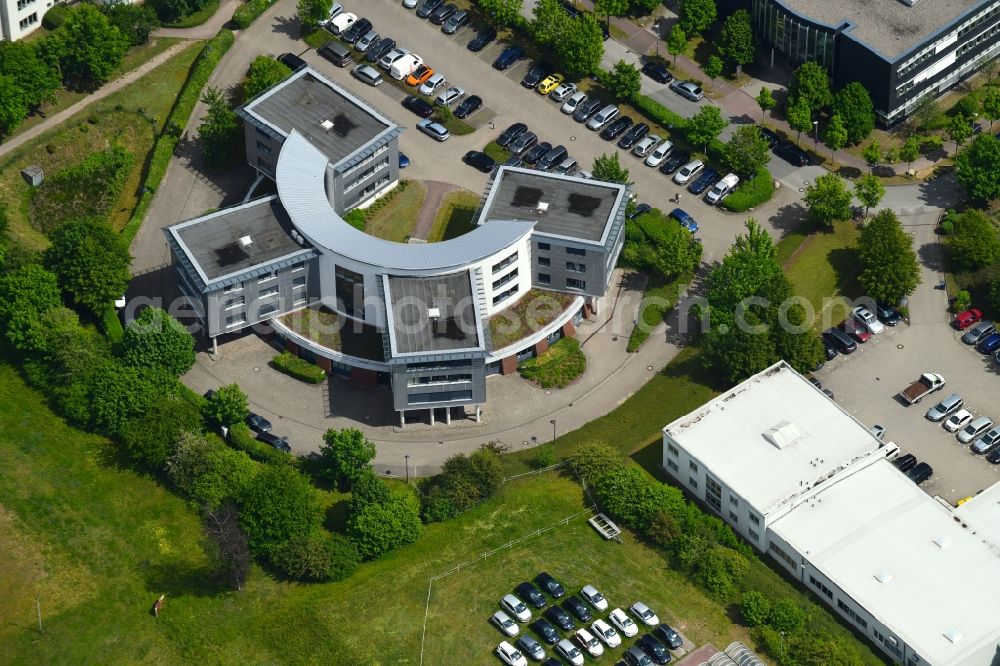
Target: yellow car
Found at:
964, 500
549, 83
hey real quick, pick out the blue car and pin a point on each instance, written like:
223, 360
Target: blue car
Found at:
510, 55
404, 161
684, 219
707, 178
989, 344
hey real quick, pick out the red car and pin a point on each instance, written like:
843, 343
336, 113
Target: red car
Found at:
856, 330
967, 318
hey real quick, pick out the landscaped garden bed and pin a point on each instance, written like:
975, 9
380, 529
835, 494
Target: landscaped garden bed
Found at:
532, 312
558, 367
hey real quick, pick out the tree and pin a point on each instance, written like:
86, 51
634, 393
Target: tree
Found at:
91, 262
872, 154
991, 105
737, 44
978, 168
611, 7
786, 616
278, 507
926, 112
220, 129
632, 497
13, 105
994, 300
319, 557
959, 130
869, 190
502, 13
580, 46
828, 199
890, 268
549, 22
854, 105
755, 608
379, 528
223, 528
713, 68
609, 169
910, 151
464, 481
658, 244
624, 81
136, 22
88, 48
151, 437
265, 71
835, 136
696, 16
368, 489
120, 395
643, 7
705, 125
157, 340
747, 151
311, 13
974, 244
226, 406
799, 117
766, 102
677, 42
36, 78
26, 294
794, 341
346, 454
592, 460
811, 83
209, 473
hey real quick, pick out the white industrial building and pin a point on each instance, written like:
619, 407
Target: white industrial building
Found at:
802, 480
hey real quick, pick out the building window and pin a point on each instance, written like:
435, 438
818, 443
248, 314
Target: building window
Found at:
782, 555
300, 298
754, 518
267, 309
505, 279
350, 291
754, 536
575, 251
236, 320
851, 613
821, 587
544, 246
233, 288
299, 281
502, 296
235, 302
672, 465
21, 4
575, 267
544, 261
672, 450
263, 164
267, 277
505, 263
733, 501
544, 278
693, 482
693, 466
268, 293
299, 268
889, 642
29, 21
733, 517
263, 147
713, 492
573, 283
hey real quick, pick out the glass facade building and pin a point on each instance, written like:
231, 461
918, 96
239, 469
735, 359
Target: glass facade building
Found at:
793, 36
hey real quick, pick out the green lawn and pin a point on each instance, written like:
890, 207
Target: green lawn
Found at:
454, 217
197, 18
497, 152
823, 268
558, 367
318, 38
394, 221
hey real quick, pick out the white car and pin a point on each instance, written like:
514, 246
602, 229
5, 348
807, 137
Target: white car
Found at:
390, 58
660, 153
450, 96
505, 624
974, 429
593, 597
688, 171
339, 24
957, 420
623, 622
515, 607
721, 189
335, 9
569, 652
589, 643
864, 316
562, 92
409, 4
645, 613
606, 633
646, 145
574, 102
430, 86
510, 655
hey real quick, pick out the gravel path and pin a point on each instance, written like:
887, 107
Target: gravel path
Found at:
432, 202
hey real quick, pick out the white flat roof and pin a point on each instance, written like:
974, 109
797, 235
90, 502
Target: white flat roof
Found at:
982, 515
773, 437
941, 578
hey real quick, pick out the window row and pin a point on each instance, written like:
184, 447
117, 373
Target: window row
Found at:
384, 164
29, 21
504, 295
571, 283
504, 264
504, 280
21, 4
819, 585
851, 613
575, 251
439, 379
367, 160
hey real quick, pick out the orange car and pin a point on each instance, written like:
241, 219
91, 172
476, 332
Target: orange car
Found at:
419, 75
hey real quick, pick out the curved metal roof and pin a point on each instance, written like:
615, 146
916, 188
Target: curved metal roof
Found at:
300, 176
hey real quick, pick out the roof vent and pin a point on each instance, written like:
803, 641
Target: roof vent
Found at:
542, 208
883, 576
942, 542
245, 241
953, 635
433, 313
782, 435
327, 125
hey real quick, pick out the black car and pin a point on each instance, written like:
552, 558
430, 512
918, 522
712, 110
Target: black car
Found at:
538, 71
920, 473
479, 160
482, 39
545, 631
550, 159
549, 584
428, 6
675, 161
418, 105
639, 210
707, 178
530, 594
529, 646
511, 133
792, 154
514, 161
559, 617
354, 33
551, 661
770, 136
905, 463
586, 110
887, 314
510, 55
994, 456
524, 142
668, 635
257, 423
842, 341
379, 49
536, 153
656, 650
468, 106
280, 443
567, 6
443, 13
830, 349
575, 605
291, 61
634, 656
630, 137
616, 129
657, 71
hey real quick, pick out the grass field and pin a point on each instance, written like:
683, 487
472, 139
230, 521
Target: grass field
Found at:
395, 220
454, 217
198, 17
824, 266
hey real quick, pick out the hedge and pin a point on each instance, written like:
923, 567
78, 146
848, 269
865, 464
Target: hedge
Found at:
55, 17
661, 115
750, 193
298, 368
560, 365
202, 69
241, 438
112, 325
249, 12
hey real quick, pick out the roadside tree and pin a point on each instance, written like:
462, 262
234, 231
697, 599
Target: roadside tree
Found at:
696, 16
219, 130
705, 126
869, 190
959, 130
580, 46
278, 507
872, 154
978, 168
835, 136
799, 117
713, 68
346, 455
88, 48
811, 83
766, 102
974, 243
747, 151
226, 406
891, 270
264, 72
548, 24
502, 13
828, 199
854, 106
737, 44
910, 151
624, 81
677, 42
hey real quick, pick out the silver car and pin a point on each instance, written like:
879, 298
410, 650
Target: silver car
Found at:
987, 442
366, 40
976, 428
688, 89
367, 74
434, 130
978, 332
945, 408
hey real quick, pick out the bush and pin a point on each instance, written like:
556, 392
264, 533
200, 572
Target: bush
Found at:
209, 473
464, 481
157, 340
293, 366
755, 608
227, 406
560, 365
249, 12
346, 456
151, 438
241, 438
785, 615
368, 489
318, 557
963, 299
380, 527
592, 461
720, 570
279, 507
545, 456
630, 496
56, 16
750, 193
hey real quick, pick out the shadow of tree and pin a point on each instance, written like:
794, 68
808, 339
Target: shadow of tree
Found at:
790, 217
336, 516
849, 172
176, 579
846, 264
932, 256
943, 190
287, 25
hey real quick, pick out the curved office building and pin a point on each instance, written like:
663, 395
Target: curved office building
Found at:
431, 319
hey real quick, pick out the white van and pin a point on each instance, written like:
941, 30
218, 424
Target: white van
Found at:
405, 66
339, 24
722, 188
602, 117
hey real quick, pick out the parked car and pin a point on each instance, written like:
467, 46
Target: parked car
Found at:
419, 106
549, 83
684, 219
623, 623
455, 22
658, 72
606, 633
674, 162
366, 41
722, 189
393, 56
639, 210
573, 103
434, 130
957, 420
291, 61
379, 49
511, 133
275, 441
978, 331
945, 408
515, 607
550, 159
479, 160
975, 428
506, 625
428, 6
660, 153
468, 106
707, 179
357, 30
430, 86
406, 66
508, 57
442, 13
687, 89
420, 75
792, 154
669, 636
548, 584
993, 457
510, 655
634, 656
342, 22
569, 652
538, 71
532, 155
367, 74
257, 423
567, 167
840, 340
905, 463
559, 617
688, 171
920, 473
646, 145
404, 161
602, 117
887, 314
926, 383
409, 4
545, 630
989, 344
562, 91
483, 38
531, 647
530, 594
856, 331
829, 348
770, 136
575, 605
656, 650
336, 53
987, 442
967, 318
645, 614
634, 134
450, 96
587, 110
594, 597
616, 128
864, 316
589, 643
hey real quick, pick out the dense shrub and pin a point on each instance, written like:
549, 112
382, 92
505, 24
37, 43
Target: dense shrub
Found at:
591, 461
56, 16
91, 262
157, 340
209, 473
630, 496
241, 438
293, 366
226, 406
136, 22
120, 394
382, 526
755, 608
279, 507
368, 489
464, 481
249, 12
750, 193
559, 366
171, 11
346, 456
151, 438
318, 557
25, 295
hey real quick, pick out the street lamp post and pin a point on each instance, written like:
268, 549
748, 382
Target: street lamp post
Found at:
407, 457
553, 422
816, 133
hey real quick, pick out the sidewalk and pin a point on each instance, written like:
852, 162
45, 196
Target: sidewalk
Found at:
206, 30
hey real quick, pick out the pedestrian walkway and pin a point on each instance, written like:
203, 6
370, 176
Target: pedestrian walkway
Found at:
436, 191
209, 28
